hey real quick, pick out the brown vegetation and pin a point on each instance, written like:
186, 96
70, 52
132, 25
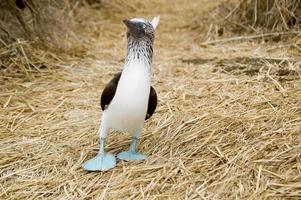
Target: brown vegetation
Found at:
228, 122
275, 15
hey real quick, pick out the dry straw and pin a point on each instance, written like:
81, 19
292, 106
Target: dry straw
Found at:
268, 20
48, 22
227, 126
268, 14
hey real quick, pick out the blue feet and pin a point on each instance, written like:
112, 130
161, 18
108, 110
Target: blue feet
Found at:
101, 162
131, 155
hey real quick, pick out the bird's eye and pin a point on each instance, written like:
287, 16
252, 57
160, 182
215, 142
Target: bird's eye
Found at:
143, 26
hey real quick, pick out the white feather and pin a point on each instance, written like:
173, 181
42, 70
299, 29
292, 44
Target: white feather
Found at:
128, 108
138, 20
155, 21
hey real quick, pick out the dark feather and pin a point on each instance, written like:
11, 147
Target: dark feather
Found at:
109, 92
152, 103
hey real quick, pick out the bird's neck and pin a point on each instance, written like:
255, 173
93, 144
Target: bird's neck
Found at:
139, 51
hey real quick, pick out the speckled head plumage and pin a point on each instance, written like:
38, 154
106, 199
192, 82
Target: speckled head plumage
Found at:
140, 36
140, 29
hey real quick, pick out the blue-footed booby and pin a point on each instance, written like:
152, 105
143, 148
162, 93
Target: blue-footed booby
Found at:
128, 99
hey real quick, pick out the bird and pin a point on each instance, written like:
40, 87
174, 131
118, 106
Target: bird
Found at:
128, 99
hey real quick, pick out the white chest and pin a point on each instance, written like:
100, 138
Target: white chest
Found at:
128, 108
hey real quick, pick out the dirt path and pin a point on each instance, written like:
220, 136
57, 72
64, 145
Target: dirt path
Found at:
227, 125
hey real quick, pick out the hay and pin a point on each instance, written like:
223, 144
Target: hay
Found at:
227, 126
272, 14
47, 22
260, 15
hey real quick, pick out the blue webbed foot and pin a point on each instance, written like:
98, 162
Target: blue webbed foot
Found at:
101, 162
131, 155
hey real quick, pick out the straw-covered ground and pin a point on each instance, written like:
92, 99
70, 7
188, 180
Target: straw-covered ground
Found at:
228, 123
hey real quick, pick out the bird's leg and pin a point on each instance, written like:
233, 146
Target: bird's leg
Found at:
102, 161
102, 142
133, 145
132, 153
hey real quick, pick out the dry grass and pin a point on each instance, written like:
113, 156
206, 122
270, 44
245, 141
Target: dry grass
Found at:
265, 20
227, 127
49, 23
256, 16
269, 15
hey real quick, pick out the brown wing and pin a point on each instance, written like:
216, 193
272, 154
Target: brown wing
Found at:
109, 91
152, 103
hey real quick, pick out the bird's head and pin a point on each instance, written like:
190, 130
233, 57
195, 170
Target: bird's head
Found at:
141, 29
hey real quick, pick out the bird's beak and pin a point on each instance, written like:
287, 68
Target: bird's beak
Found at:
134, 28
130, 25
